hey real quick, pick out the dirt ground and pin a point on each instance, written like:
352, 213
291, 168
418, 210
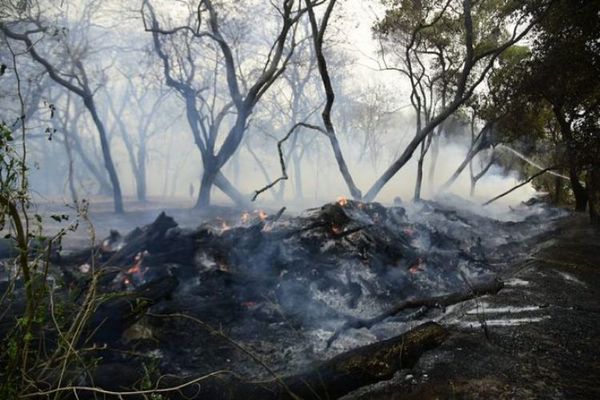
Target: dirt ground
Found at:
538, 338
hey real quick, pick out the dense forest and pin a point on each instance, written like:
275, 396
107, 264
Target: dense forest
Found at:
424, 126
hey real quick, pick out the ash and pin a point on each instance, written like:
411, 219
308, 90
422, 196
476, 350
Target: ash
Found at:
280, 285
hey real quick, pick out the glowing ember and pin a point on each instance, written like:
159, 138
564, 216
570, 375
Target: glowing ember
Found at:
418, 267
342, 201
337, 229
135, 274
262, 215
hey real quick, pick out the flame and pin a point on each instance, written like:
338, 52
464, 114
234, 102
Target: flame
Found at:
342, 201
262, 215
136, 272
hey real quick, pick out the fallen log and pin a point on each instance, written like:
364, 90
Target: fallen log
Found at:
489, 287
330, 380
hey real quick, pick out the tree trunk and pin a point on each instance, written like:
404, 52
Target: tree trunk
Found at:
104, 185
435, 151
298, 177
206, 183
557, 190
70, 171
140, 178
581, 195
565, 129
593, 188
472, 153
226, 187
108, 162
419, 181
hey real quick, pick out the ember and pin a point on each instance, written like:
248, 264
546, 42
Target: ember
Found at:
135, 275
262, 215
342, 201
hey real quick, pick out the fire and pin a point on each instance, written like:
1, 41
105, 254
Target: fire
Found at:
262, 215
342, 201
136, 272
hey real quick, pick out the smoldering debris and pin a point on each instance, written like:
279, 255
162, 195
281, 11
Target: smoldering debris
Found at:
290, 291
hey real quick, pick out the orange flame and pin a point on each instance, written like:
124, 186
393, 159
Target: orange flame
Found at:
262, 215
342, 201
136, 270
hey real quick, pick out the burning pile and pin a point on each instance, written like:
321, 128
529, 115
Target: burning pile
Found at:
292, 289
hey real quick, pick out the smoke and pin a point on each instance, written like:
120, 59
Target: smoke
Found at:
174, 164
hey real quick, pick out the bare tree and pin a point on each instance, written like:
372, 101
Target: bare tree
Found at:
71, 74
206, 114
477, 58
318, 36
139, 106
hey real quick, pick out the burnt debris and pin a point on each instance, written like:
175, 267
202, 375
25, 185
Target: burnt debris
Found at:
273, 295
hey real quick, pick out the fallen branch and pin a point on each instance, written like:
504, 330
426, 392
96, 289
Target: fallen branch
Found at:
491, 287
284, 175
519, 185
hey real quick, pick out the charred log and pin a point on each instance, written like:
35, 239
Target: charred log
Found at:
121, 311
330, 380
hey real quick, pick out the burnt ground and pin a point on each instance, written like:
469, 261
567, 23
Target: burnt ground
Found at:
297, 291
538, 338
